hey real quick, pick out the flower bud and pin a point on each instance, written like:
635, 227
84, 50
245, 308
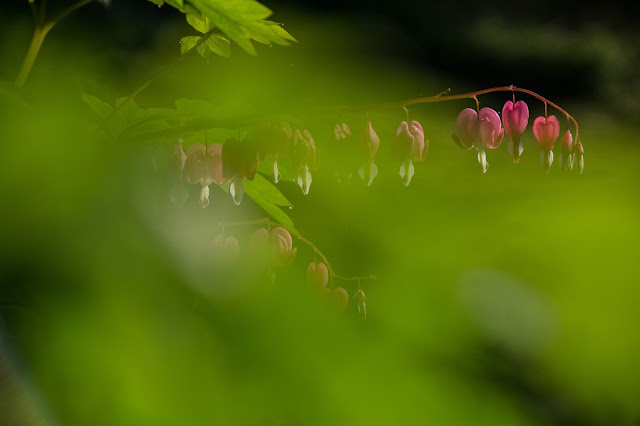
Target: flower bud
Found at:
515, 118
342, 132
467, 128
304, 158
566, 157
317, 277
361, 303
579, 154
369, 143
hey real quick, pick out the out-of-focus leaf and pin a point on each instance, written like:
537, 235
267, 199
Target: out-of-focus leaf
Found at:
279, 31
271, 209
188, 43
178, 4
101, 108
267, 190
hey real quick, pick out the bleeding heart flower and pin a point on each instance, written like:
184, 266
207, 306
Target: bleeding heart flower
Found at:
515, 118
304, 158
317, 277
546, 131
276, 246
410, 146
282, 246
478, 130
272, 141
344, 153
240, 161
369, 143
566, 157
204, 165
227, 247
340, 297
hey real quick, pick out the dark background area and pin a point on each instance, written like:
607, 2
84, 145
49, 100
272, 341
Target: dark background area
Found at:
584, 51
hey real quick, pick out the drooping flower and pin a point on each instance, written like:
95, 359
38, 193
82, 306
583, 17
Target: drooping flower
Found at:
317, 277
272, 141
304, 158
204, 166
282, 246
240, 161
409, 145
369, 143
340, 297
515, 118
276, 246
566, 157
344, 152
226, 247
478, 130
546, 131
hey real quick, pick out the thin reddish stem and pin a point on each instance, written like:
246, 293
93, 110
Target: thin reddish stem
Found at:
269, 223
470, 95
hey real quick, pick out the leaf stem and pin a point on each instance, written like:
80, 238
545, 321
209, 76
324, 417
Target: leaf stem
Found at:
40, 31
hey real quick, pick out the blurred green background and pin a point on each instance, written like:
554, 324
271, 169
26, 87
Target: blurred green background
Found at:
501, 299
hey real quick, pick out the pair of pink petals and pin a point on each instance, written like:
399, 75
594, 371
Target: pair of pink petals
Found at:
546, 131
410, 141
204, 165
479, 130
515, 117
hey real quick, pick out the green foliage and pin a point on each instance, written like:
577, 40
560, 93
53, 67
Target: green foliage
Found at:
267, 190
255, 191
241, 20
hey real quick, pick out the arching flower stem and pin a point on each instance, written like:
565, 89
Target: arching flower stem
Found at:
442, 97
269, 223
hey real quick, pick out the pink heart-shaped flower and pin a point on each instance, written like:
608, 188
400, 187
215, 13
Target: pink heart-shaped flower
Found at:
467, 127
546, 131
515, 118
491, 132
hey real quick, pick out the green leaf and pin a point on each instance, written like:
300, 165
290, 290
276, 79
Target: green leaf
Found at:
219, 45
188, 43
266, 190
271, 209
279, 31
103, 109
202, 25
